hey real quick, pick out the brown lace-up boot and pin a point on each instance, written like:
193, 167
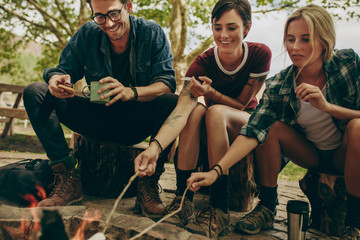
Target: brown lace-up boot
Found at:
67, 188
148, 201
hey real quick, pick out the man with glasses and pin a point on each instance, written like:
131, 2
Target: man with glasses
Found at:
132, 56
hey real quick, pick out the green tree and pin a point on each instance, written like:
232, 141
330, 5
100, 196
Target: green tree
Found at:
52, 23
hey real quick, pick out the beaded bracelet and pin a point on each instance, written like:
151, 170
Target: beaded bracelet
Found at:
158, 143
216, 171
135, 93
217, 165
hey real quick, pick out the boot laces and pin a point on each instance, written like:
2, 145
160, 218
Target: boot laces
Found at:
151, 190
207, 217
60, 184
174, 205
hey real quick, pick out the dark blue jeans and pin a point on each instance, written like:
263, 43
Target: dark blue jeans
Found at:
126, 123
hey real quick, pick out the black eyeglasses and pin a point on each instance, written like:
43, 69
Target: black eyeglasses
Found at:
114, 15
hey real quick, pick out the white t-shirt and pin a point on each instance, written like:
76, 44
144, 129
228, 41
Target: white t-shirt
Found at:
318, 126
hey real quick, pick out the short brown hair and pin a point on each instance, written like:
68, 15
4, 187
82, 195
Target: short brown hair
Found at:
242, 7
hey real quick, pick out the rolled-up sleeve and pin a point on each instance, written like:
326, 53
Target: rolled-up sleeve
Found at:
261, 120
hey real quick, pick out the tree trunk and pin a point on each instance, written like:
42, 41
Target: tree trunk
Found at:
327, 196
242, 185
106, 167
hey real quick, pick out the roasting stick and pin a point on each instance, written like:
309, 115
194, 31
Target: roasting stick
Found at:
118, 200
164, 218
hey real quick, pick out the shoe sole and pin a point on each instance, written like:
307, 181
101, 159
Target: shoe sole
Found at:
177, 222
70, 203
224, 232
139, 209
256, 231
75, 201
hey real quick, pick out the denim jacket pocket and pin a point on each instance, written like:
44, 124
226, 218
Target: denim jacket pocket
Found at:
143, 73
143, 67
92, 74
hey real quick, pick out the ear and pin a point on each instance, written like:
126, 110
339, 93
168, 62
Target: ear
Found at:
129, 7
247, 29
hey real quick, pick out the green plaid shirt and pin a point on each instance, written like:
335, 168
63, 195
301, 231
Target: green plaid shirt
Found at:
279, 101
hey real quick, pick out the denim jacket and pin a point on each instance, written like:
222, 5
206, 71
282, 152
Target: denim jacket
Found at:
88, 54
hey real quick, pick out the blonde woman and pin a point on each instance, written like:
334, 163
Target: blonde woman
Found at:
309, 112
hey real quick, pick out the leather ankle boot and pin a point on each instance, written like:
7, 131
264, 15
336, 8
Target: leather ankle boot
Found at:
67, 188
148, 201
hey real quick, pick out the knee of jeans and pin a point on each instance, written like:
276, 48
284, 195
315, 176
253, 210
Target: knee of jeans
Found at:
33, 89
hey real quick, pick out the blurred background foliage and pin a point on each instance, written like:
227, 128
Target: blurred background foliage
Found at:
48, 25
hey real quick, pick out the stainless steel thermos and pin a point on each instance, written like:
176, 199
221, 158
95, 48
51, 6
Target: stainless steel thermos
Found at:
298, 219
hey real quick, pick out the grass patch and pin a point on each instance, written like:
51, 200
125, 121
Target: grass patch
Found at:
292, 172
22, 143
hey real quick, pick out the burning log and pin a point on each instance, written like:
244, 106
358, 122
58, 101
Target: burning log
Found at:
52, 226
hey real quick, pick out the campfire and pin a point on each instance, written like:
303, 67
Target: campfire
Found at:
69, 223
48, 224
78, 223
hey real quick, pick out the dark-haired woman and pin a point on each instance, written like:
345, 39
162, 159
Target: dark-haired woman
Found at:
228, 76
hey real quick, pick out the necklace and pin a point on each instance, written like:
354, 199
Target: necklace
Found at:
319, 81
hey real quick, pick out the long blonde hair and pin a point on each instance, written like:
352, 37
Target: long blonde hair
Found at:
320, 23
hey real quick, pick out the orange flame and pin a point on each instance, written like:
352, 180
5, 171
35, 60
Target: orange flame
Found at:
87, 219
25, 225
41, 193
31, 199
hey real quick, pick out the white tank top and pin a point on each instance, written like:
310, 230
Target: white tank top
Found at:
318, 126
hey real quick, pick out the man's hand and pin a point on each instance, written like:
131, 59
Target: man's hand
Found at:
116, 89
198, 90
54, 88
201, 179
145, 162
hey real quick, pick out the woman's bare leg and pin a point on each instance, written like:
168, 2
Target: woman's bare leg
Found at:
223, 124
282, 137
347, 157
189, 140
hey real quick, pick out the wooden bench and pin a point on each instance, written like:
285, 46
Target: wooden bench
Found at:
10, 113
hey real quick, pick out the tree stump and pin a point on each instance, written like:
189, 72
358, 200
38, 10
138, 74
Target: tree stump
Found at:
327, 196
106, 167
242, 185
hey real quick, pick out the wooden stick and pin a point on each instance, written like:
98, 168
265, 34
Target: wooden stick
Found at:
164, 218
118, 200
68, 89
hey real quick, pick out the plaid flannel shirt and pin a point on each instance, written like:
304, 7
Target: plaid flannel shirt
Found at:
279, 101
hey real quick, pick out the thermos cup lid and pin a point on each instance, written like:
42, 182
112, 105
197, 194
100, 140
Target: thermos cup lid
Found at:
297, 207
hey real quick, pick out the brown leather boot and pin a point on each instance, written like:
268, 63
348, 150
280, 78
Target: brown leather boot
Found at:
148, 201
67, 188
